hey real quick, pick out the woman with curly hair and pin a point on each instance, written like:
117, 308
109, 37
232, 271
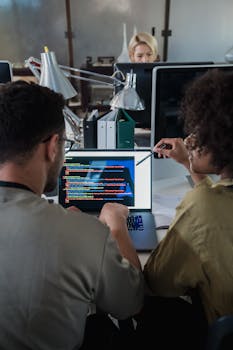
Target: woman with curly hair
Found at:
196, 255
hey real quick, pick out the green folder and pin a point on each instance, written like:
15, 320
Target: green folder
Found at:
125, 130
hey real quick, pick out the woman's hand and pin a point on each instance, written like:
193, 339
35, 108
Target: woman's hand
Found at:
173, 148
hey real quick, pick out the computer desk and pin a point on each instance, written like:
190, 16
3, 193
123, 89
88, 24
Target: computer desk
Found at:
166, 194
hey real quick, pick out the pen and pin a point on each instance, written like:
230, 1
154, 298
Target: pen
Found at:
162, 146
142, 160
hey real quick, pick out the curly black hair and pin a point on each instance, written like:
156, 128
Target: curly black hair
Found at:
207, 112
29, 113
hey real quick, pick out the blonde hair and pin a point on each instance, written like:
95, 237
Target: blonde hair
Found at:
143, 38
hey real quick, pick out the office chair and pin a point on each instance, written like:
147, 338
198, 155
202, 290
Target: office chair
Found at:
220, 334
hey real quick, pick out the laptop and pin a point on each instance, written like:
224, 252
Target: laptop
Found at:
6, 74
91, 178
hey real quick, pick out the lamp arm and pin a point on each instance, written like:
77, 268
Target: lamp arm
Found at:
89, 79
75, 123
115, 80
34, 65
48, 73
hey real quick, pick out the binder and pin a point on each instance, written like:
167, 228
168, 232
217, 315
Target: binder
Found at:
90, 130
106, 131
125, 130
101, 133
111, 130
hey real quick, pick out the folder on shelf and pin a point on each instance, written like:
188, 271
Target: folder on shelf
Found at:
106, 131
125, 130
90, 129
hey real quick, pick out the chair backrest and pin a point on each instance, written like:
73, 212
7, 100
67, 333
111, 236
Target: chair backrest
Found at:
220, 334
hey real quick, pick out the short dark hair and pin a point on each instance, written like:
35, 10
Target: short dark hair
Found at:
29, 113
207, 110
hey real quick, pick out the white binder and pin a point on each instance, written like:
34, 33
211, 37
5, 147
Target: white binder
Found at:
106, 131
111, 130
101, 133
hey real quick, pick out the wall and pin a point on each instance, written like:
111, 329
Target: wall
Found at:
26, 26
201, 29
98, 27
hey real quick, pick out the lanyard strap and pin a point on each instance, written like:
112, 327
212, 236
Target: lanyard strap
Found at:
14, 185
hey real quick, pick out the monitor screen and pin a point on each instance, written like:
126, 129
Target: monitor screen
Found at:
5, 72
143, 73
168, 87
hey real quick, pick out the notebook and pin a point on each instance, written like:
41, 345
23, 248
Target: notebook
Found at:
90, 178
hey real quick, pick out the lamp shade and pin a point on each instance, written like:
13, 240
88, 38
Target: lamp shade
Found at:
53, 77
128, 98
229, 55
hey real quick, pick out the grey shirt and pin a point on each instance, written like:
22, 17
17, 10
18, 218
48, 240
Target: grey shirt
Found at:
54, 265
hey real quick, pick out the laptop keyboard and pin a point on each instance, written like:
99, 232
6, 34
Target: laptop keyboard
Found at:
135, 222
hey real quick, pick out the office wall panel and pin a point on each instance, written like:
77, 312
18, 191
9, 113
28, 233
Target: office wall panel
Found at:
98, 27
26, 26
201, 30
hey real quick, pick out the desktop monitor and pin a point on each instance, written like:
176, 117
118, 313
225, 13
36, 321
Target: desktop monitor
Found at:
143, 73
5, 72
168, 87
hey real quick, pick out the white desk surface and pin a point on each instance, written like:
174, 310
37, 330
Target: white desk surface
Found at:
166, 194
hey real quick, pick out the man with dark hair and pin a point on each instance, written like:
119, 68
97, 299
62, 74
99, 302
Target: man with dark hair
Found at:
196, 255
55, 263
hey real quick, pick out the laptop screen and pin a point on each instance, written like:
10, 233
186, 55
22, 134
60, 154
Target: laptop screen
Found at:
89, 179
5, 72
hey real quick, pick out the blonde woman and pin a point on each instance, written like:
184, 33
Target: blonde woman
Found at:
143, 48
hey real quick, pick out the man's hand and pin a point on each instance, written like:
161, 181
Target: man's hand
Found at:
73, 208
114, 215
